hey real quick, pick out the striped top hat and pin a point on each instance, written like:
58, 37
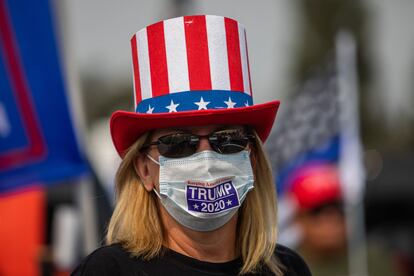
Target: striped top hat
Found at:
190, 71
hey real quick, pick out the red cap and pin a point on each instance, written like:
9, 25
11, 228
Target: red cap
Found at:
316, 184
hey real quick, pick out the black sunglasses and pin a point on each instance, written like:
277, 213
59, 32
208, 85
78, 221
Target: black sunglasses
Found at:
183, 144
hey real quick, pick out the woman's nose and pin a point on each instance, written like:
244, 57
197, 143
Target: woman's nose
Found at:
204, 144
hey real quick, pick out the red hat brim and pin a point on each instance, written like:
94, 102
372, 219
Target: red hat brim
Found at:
127, 127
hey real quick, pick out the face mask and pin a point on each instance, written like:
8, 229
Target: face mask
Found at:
204, 191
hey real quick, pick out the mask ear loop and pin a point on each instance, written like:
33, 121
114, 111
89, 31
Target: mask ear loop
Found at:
157, 193
153, 160
158, 163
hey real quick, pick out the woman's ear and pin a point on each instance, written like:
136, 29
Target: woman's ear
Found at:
142, 169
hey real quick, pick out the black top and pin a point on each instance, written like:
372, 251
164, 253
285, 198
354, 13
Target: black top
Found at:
114, 260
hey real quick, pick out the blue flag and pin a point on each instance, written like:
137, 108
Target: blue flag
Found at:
37, 141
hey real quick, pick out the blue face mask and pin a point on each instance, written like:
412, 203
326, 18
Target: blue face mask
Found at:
205, 190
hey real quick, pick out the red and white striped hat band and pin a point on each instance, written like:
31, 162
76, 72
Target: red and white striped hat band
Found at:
191, 63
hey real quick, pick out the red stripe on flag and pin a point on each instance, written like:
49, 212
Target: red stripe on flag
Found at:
233, 53
137, 82
248, 63
197, 52
158, 59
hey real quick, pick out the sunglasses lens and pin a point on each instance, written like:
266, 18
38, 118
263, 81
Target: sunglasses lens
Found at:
229, 141
177, 145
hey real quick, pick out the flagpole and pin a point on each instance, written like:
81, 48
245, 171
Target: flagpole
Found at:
351, 167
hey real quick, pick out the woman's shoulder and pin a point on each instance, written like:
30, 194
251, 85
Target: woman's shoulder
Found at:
292, 262
106, 260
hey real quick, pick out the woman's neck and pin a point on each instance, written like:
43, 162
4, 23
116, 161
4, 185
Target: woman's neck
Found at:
213, 246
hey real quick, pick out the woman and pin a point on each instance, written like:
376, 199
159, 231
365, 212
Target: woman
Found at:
195, 193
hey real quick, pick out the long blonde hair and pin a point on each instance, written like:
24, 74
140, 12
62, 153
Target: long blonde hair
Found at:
136, 224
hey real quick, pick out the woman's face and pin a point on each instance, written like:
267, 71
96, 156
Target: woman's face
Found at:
149, 170
227, 139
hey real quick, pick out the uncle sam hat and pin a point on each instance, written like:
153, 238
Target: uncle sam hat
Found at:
190, 71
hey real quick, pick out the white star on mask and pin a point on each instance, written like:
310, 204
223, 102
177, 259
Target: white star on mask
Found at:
229, 202
150, 109
195, 206
172, 107
229, 103
202, 104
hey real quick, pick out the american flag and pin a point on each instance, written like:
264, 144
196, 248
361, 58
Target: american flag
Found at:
307, 127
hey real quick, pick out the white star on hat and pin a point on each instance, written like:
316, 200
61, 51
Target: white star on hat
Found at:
229, 103
246, 103
202, 104
172, 107
150, 109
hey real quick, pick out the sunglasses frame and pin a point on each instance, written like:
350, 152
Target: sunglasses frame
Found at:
249, 134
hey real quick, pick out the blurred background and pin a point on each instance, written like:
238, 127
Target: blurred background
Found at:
342, 148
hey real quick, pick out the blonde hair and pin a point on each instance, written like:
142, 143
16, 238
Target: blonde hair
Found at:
136, 224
